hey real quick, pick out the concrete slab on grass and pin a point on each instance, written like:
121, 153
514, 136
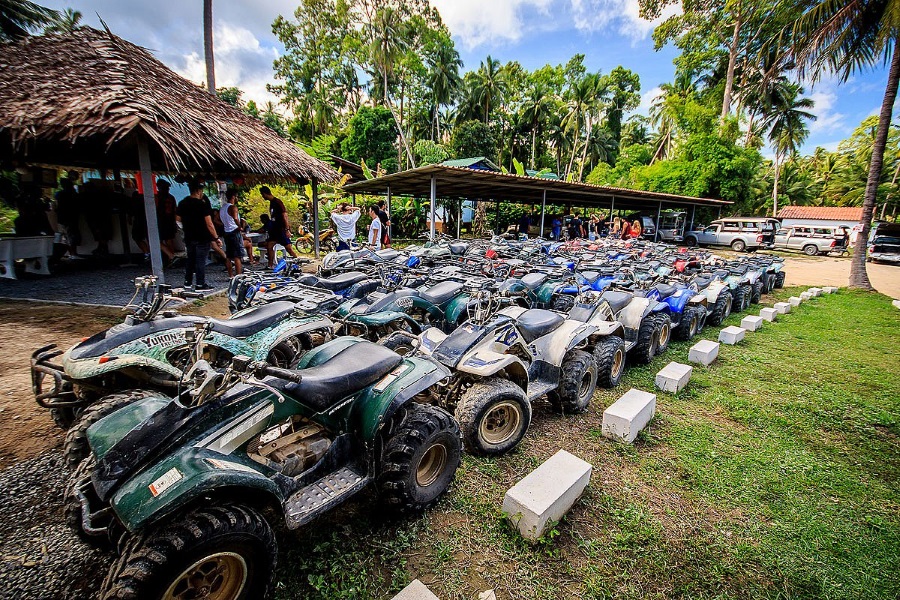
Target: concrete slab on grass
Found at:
673, 377
752, 323
625, 418
731, 335
830, 289
546, 494
806, 296
704, 352
896, 303
769, 314
783, 308
415, 591
795, 301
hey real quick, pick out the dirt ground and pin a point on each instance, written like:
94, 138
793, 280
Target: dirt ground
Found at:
26, 429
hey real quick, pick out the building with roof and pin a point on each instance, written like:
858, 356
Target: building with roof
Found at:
823, 216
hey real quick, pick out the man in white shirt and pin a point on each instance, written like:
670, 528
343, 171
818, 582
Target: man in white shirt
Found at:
345, 218
374, 229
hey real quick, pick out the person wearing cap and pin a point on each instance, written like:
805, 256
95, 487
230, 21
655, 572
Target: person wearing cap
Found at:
165, 219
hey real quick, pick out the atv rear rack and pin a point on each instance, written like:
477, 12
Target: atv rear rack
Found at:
61, 395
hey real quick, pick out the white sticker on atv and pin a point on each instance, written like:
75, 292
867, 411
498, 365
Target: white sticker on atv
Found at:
169, 478
404, 302
389, 379
232, 466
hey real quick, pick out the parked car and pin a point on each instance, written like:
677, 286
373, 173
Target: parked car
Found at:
740, 233
812, 239
884, 248
671, 226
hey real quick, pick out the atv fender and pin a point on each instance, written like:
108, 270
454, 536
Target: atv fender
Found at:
86, 368
678, 300
512, 311
552, 348
544, 294
380, 319
632, 315
604, 328
485, 363
184, 478
314, 325
431, 339
456, 308
326, 352
698, 300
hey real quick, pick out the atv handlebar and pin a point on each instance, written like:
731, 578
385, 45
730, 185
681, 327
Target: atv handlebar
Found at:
243, 364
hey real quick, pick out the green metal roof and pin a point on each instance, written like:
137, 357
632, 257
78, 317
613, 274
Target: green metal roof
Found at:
472, 162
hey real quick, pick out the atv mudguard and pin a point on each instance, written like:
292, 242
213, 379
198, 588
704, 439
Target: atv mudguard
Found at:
456, 308
380, 319
326, 352
184, 477
553, 347
605, 328
632, 315
512, 287
544, 294
87, 368
698, 300
678, 300
486, 363
430, 339
377, 404
713, 291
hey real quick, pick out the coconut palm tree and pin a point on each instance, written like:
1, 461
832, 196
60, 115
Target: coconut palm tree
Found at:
786, 122
444, 81
67, 22
846, 36
387, 32
18, 18
208, 47
489, 86
536, 111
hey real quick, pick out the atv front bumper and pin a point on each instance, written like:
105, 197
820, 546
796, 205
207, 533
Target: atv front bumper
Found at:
51, 387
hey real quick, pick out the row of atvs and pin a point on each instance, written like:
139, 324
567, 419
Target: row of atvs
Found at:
183, 430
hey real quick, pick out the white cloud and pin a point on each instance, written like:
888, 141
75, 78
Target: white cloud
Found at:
828, 120
241, 61
623, 15
647, 99
493, 22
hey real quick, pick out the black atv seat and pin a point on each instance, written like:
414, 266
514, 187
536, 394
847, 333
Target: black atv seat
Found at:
665, 290
350, 370
617, 300
342, 281
441, 292
538, 322
590, 276
534, 280
254, 321
458, 248
388, 253
702, 282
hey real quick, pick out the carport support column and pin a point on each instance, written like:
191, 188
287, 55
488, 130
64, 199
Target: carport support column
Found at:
658, 215
612, 210
391, 226
149, 210
543, 211
693, 213
433, 203
315, 209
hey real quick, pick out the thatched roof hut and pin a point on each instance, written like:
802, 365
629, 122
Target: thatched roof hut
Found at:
87, 98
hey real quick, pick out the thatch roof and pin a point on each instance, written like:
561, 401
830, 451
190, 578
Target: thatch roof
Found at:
82, 99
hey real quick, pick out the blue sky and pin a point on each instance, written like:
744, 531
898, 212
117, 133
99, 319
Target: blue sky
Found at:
533, 32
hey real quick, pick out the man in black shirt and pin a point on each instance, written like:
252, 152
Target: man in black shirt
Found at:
385, 224
198, 233
281, 228
575, 227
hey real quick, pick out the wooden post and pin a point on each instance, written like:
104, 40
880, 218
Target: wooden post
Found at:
693, 212
315, 208
149, 210
543, 211
433, 203
390, 229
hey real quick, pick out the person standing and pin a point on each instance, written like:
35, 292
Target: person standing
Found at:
556, 228
68, 213
281, 228
575, 227
385, 223
636, 229
234, 240
199, 232
345, 218
166, 206
138, 216
374, 228
524, 224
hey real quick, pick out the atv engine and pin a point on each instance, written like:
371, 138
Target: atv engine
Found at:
291, 447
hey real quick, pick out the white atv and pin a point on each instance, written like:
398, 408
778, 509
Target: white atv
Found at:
504, 360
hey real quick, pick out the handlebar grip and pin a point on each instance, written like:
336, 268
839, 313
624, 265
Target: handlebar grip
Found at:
280, 373
187, 294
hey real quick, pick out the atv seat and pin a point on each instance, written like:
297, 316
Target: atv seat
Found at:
617, 300
703, 282
342, 281
352, 369
590, 276
534, 280
458, 248
254, 320
441, 292
537, 322
388, 254
665, 290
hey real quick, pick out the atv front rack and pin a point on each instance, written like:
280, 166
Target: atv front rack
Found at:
61, 394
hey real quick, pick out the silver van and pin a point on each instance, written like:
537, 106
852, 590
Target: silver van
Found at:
812, 239
739, 233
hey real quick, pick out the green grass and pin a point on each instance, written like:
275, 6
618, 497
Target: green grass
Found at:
774, 474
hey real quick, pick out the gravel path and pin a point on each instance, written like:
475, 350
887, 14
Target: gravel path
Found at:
40, 558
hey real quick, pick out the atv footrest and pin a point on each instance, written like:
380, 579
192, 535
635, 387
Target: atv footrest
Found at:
320, 496
537, 389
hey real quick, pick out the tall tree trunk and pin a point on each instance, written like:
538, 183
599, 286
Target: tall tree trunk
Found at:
732, 59
533, 146
859, 278
749, 130
587, 139
390, 107
208, 47
775, 187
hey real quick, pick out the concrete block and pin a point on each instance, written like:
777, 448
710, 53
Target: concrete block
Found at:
487, 595
752, 323
673, 377
625, 418
829, 289
783, 308
546, 494
896, 303
795, 301
415, 591
769, 314
806, 296
816, 292
704, 352
731, 335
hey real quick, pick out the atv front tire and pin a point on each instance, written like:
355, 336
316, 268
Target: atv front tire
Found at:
779, 279
664, 332
563, 303
419, 459
63, 417
494, 416
721, 309
609, 356
72, 505
647, 341
76, 447
577, 384
227, 552
757, 292
741, 295
690, 324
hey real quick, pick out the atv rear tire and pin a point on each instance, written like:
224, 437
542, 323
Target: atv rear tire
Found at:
721, 309
577, 384
76, 447
690, 324
63, 417
647, 342
757, 292
419, 459
664, 332
227, 549
563, 303
609, 356
494, 416
741, 295
779, 279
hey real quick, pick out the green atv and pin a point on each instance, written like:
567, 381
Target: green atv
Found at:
179, 486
